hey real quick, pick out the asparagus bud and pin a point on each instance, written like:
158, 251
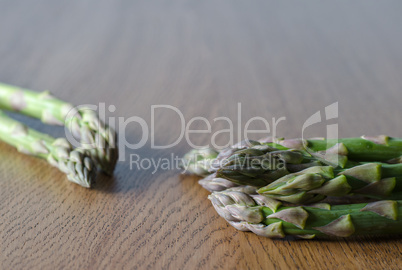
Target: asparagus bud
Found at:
214, 183
75, 163
260, 164
198, 161
99, 139
96, 137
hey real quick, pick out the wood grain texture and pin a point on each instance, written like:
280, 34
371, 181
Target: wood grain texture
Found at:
278, 59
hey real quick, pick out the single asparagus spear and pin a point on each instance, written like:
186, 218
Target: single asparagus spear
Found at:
77, 164
99, 139
375, 180
260, 215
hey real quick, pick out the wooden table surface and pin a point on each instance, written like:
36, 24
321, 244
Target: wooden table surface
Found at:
277, 59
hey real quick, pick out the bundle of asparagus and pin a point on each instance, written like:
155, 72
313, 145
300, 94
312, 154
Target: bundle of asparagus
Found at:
258, 214
98, 142
268, 186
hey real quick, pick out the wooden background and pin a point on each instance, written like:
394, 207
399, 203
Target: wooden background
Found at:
278, 59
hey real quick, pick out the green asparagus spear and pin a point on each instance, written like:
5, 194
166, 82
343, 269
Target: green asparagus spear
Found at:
77, 164
94, 135
375, 180
260, 214
377, 148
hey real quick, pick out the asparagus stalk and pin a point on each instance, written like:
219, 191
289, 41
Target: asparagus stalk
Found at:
264, 161
316, 183
99, 139
377, 148
380, 148
76, 164
264, 217
259, 163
